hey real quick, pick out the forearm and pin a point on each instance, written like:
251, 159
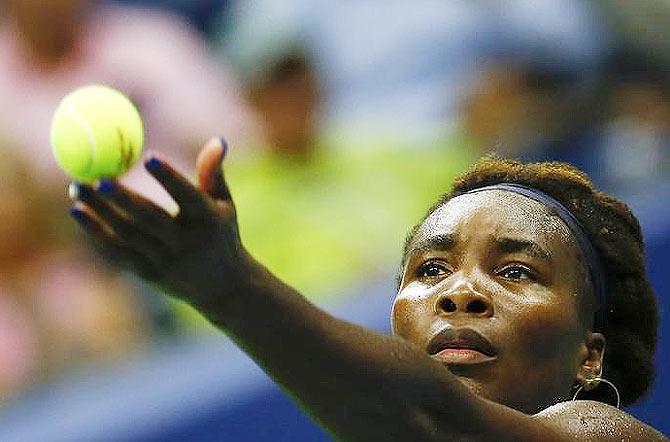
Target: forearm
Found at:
359, 383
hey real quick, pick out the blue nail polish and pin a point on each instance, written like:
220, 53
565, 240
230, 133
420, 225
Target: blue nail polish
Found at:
224, 147
153, 164
82, 191
77, 214
106, 187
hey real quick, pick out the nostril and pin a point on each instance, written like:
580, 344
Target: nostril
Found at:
447, 305
477, 306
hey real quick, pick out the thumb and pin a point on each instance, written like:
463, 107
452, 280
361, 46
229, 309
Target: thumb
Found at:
209, 171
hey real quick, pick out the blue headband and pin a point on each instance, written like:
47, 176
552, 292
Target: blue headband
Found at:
591, 256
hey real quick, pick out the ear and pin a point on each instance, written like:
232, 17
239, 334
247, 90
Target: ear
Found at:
592, 365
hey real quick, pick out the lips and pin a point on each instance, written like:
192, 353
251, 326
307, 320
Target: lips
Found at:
461, 345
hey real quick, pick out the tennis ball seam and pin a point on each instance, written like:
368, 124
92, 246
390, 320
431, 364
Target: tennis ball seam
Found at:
93, 145
96, 132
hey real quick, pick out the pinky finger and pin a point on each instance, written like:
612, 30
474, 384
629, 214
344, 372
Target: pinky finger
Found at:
108, 246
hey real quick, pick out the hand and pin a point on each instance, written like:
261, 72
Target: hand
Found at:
195, 255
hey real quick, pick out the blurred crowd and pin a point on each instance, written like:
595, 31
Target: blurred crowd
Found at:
345, 121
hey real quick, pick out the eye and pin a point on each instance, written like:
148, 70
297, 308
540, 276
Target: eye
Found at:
432, 269
517, 272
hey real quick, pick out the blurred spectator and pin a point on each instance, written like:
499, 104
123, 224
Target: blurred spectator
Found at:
288, 99
389, 71
201, 14
616, 127
401, 71
605, 111
634, 147
61, 307
643, 26
50, 48
58, 309
19, 348
529, 110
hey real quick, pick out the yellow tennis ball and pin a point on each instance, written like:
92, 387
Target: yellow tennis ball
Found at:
96, 132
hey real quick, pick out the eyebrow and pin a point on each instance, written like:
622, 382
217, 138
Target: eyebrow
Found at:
446, 242
514, 245
438, 242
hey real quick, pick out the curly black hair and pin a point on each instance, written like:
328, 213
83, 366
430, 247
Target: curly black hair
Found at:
631, 316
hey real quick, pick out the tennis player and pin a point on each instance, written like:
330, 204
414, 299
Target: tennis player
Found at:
523, 311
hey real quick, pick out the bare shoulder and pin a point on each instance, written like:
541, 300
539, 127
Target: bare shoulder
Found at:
596, 421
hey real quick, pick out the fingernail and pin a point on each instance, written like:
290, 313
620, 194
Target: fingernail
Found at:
105, 187
78, 191
224, 147
153, 164
77, 214
73, 191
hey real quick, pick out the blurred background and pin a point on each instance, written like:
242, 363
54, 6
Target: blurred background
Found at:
346, 120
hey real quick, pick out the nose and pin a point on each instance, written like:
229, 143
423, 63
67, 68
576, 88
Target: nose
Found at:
463, 298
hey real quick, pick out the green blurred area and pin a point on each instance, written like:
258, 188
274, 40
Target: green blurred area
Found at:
328, 222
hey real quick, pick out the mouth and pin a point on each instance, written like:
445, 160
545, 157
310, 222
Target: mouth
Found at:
461, 346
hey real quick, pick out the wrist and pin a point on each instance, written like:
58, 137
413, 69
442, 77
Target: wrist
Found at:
228, 298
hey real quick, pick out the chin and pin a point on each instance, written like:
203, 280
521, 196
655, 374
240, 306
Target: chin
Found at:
489, 389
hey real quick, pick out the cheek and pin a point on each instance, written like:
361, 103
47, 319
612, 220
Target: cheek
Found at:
410, 314
545, 334
540, 360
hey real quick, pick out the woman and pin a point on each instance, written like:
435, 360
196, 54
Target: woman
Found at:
507, 301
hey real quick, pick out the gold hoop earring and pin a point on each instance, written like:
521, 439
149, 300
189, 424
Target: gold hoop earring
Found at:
608, 383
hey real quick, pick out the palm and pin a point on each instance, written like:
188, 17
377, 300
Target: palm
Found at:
193, 254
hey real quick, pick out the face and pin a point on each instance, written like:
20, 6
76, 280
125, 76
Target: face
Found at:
493, 289
49, 25
56, 9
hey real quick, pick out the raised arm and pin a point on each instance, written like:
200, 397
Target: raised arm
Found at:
359, 384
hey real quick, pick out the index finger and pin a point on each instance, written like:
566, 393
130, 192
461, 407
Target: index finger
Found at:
191, 201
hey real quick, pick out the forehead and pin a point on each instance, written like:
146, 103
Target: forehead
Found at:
498, 213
